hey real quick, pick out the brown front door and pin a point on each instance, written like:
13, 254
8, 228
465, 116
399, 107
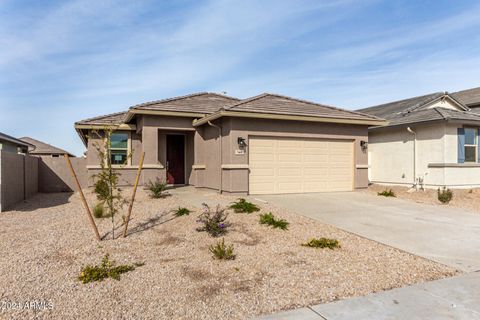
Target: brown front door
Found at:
176, 159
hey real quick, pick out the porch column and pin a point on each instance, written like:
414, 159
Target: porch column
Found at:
150, 145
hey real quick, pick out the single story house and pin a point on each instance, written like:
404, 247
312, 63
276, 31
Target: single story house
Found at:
429, 141
265, 144
14, 145
42, 149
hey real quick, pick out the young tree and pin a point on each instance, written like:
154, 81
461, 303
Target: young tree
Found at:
106, 181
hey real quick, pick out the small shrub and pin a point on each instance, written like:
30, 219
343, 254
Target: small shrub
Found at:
213, 222
181, 212
243, 205
221, 251
105, 270
99, 211
445, 195
387, 193
322, 243
269, 219
156, 188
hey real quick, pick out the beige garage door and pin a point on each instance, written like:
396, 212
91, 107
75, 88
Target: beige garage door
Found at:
296, 165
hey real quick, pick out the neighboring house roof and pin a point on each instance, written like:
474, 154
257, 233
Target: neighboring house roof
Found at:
18, 142
389, 110
410, 111
42, 148
469, 97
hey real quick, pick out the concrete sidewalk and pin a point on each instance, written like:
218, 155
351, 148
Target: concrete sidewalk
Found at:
452, 298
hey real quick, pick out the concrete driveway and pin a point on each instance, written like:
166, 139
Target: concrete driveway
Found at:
446, 235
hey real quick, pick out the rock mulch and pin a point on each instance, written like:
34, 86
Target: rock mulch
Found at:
47, 240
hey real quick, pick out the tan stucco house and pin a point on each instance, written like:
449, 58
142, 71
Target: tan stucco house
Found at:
430, 141
13, 145
265, 144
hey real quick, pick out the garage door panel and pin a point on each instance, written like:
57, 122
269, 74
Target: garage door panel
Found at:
294, 165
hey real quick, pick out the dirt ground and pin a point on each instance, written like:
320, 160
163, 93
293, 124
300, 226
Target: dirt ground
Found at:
47, 240
468, 199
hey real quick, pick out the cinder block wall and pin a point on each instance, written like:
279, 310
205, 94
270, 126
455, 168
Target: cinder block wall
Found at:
18, 178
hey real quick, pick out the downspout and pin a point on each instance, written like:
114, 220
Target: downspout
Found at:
414, 156
221, 153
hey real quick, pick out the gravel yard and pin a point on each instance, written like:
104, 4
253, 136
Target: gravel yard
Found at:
468, 199
47, 240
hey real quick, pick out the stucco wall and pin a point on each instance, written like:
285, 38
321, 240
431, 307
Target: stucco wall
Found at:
235, 179
391, 157
55, 176
18, 178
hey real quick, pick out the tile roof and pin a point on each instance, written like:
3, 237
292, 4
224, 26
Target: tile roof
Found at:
44, 148
203, 102
277, 104
108, 119
469, 97
391, 109
432, 114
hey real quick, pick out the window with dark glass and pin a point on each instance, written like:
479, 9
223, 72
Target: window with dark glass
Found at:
119, 148
471, 137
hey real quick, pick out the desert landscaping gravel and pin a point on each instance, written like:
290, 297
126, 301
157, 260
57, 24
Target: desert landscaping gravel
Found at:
468, 199
47, 240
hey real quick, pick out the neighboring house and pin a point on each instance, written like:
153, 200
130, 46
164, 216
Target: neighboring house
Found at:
43, 149
430, 141
14, 145
265, 144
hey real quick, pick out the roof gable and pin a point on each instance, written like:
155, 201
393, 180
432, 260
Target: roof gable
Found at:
108, 119
269, 103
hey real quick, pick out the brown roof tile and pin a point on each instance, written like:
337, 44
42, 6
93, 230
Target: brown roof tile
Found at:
277, 104
108, 119
203, 102
43, 148
469, 97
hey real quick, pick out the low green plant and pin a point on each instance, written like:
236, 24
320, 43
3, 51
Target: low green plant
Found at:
99, 210
181, 212
445, 195
157, 188
322, 243
242, 205
269, 219
387, 193
106, 269
213, 222
221, 251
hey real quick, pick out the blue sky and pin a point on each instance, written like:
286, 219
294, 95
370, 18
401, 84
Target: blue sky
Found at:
63, 61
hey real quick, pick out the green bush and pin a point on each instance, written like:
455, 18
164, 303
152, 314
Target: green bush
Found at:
156, 188
387, 193
445, 195
181, 212
243, 205
105, 270
322, 243
99, 211
269, 219
221, 251
213, 222
102, 190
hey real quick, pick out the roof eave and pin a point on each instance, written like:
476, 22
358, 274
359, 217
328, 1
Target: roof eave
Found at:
217, 115
132, 112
